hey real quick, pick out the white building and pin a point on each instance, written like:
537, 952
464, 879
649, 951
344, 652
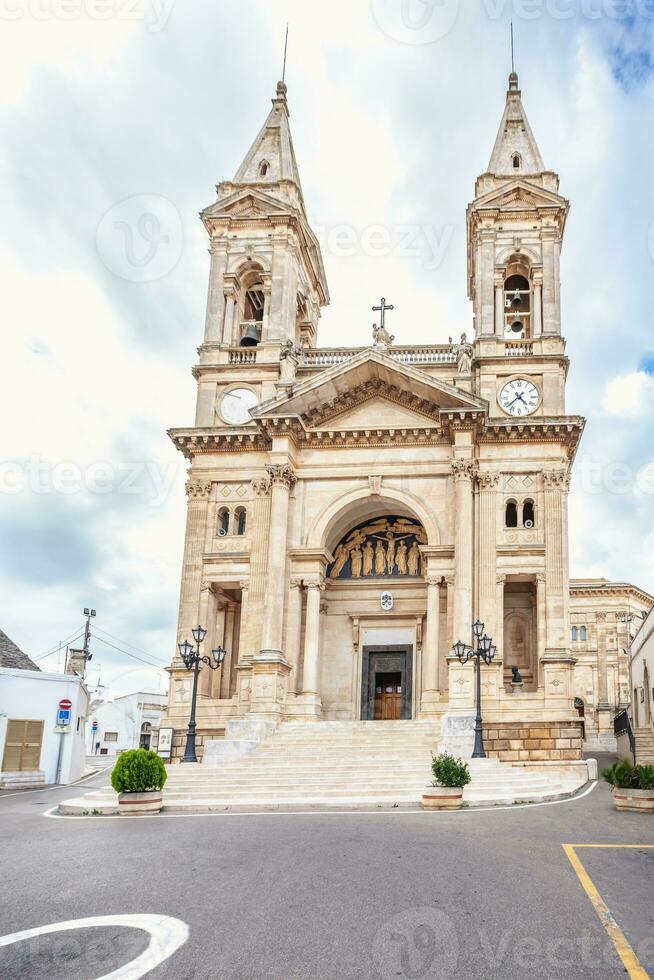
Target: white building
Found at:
641, 711
126, 722
34, 749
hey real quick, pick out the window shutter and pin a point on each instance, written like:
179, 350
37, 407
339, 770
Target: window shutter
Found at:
23, 746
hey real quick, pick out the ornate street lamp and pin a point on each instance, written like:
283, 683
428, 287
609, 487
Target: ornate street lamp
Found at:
485, 651
192, 660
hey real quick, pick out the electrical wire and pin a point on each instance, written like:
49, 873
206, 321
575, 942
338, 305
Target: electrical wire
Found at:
149, 663
55, 650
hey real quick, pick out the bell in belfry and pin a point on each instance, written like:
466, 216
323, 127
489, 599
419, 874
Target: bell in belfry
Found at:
515, 302
251, 336
516, 326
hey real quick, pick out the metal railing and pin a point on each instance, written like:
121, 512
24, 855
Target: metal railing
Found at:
622, 726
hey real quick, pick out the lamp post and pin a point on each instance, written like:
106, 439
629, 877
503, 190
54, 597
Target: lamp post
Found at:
192, 660
485, 651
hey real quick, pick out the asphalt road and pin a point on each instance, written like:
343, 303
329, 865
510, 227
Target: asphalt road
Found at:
361, 895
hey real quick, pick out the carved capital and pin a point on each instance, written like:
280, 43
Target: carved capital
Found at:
500, 578
433, 580
198, 489
488, 480
282, 473
295, 583
261, 488
541, 578
556, 480
320, 584
463, 470
244, 586
449, 580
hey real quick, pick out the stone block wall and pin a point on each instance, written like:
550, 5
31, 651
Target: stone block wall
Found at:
538, 741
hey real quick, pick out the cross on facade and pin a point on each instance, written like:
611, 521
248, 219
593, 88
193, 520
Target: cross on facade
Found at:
382, 311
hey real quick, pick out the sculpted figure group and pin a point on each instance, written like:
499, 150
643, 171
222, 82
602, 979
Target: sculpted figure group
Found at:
381, 549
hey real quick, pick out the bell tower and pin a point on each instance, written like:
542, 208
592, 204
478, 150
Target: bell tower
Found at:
267, 281
515, 228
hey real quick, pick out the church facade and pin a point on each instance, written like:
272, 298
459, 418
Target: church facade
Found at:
352, 511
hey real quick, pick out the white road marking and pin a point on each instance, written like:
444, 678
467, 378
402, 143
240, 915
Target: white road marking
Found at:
166, 936
380, 812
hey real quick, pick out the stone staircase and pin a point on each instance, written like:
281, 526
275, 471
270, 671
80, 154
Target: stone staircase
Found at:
644, 746
340, 765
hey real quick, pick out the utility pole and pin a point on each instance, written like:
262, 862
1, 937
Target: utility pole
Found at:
89, 613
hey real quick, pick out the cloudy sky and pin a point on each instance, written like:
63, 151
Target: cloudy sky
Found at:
112, 110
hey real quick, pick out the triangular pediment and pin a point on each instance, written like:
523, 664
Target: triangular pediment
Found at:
245, 203
518, 195
349, 395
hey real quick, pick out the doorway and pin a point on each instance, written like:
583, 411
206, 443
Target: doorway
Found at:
386, 683
388, 697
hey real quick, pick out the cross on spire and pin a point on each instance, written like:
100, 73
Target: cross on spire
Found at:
382, 311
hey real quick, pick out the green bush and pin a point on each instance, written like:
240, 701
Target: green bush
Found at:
449, 771
138, 771
623, 775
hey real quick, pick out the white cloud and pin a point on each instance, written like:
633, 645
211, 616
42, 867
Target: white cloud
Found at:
629, 395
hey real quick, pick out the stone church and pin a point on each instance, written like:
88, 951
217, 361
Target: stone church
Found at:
352, 511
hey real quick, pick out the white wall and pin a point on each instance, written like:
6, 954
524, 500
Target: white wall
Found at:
124, 715
642, 657
31, 695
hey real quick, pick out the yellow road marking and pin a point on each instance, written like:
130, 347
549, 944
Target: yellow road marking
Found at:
625, 951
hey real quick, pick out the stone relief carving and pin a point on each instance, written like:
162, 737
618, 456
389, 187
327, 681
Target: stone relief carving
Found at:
488, 480
556, 479
381, 338
463, 469
387, 547
198, 490
282, 473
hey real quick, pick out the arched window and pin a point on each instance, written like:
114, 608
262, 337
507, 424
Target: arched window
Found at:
574, 634
582, 634
511, 514
517, 161
528, 514
517, 306
240, 517
223, 521
263, 168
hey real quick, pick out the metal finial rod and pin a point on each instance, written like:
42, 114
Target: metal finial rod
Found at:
512, 51
285, 51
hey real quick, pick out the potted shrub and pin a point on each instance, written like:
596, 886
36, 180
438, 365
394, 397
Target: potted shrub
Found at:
138, 777
633, 786
446, 791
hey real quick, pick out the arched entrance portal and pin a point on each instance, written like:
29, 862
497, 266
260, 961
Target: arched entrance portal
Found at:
378, 575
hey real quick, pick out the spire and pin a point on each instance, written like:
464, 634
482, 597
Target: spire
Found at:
515, 141
271, 158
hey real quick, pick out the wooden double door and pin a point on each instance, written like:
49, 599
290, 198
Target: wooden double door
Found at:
388, 697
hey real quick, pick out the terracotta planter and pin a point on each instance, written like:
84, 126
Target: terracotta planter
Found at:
442, 798
138, 804
638, 800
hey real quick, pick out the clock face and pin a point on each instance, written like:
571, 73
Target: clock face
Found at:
519, 397
235, 406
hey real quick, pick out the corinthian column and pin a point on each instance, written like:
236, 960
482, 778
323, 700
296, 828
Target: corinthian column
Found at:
556, 484
282, 479
463, 470
198, 492
487, 571
312, 638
